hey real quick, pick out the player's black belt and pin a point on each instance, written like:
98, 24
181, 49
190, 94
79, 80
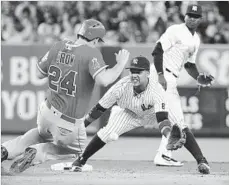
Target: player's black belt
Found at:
63, 116
171, 72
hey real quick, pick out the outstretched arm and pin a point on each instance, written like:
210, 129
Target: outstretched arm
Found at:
94, 114
109, 75
191, 69
164, 123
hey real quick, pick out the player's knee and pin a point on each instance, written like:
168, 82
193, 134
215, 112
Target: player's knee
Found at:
112, 137
107, 138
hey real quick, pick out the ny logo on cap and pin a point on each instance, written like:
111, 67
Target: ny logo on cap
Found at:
194, 8
135, 61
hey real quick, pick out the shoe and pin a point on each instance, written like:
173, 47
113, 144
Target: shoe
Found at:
79, 166
203, 166
163, 160
4, 153
24, 162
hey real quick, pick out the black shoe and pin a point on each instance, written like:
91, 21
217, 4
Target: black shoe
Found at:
4, 153
78, 164
24, 162
203, 166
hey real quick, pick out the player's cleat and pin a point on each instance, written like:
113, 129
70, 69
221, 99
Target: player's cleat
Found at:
4, 153
163, 160
83, 168
24, 162
79, 166
203, 166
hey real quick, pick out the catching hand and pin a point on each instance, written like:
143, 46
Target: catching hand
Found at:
205, 80
176, 138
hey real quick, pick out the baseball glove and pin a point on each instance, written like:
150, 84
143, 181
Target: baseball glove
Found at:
205, 80
176, 138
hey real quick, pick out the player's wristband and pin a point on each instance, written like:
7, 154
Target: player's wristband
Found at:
88, 120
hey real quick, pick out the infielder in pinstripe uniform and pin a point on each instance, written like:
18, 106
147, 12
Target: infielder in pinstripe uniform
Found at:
139, 99
71, 69
176, 48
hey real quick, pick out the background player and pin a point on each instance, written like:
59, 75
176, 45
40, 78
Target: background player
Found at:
71, 69
176, 48
139, 101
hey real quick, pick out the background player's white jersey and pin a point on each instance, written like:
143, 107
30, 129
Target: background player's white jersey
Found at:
143, 105
179, 46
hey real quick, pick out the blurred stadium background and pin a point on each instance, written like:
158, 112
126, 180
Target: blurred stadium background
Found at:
28, 29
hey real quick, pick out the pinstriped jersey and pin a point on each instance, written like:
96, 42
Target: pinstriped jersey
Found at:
179, 46
71, 70
146, 103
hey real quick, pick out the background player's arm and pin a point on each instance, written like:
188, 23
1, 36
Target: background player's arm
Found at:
109, 75
190, 66
191, 69
165, 42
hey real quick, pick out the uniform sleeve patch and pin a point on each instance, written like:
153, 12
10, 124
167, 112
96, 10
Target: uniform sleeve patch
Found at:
45, 58
95, 63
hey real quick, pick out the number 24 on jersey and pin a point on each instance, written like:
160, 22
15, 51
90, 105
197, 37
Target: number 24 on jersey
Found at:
66, 82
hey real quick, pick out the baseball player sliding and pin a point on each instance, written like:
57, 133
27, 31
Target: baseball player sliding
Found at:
139, 100
176, 48
71, 69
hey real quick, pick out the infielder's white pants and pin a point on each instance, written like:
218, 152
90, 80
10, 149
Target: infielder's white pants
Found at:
176, 115
121, 121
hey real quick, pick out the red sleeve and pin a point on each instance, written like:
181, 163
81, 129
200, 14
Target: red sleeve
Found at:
96, 63
44, 63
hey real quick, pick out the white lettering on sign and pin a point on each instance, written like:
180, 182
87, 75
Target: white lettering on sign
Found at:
216, 63
24, 104
190, 107
227, 104
190, 104
9, 101
19, 71
23, 71
194, 121
227, 120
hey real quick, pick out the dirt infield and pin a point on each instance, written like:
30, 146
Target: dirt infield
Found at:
110, 172
129, 161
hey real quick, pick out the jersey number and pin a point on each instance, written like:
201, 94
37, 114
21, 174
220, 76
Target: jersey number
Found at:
163, 105
67, 82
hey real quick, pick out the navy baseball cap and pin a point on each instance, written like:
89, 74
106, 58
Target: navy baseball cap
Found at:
140, 63
195, 10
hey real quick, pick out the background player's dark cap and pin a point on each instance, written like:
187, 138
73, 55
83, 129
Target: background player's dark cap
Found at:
194, 9
140, 63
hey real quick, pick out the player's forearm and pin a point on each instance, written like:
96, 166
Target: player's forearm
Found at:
158, 58
112, 74
164, 123
94, 114
191, 69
